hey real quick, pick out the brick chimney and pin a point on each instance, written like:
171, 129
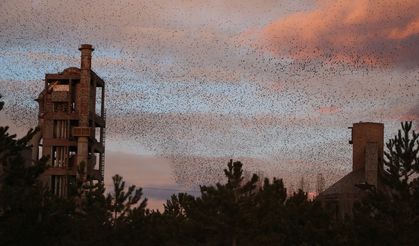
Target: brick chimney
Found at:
83, 102
86, 56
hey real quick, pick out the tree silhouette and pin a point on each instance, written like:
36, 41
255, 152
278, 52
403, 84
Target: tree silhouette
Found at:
223, 210
121, 202
402, 158
25, 205
243, 210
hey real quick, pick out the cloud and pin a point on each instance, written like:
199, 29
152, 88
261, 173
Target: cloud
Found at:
358, 32
412, 115
329, 110
182, 87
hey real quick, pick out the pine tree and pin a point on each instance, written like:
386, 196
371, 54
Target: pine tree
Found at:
223, 212
121, 202
402, 159
174, 226
25, 206
269, 211
90, 218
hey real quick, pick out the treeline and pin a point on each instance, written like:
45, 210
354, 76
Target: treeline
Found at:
235, 212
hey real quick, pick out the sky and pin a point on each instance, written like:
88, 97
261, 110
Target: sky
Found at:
194, 83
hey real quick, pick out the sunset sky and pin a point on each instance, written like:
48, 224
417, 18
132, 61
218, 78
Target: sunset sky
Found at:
193, 83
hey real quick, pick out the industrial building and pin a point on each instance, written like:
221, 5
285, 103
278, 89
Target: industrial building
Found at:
72, 123
367, 169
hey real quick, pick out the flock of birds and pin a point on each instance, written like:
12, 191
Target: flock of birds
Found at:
201, 95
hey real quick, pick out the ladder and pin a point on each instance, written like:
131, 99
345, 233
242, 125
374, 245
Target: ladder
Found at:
102, 157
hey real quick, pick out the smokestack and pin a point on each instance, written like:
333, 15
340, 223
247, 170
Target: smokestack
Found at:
83, 98
83, 103
86, 56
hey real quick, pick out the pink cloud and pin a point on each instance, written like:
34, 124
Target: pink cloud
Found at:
329, 110
412, 115
140, 170
358, 32
409, 117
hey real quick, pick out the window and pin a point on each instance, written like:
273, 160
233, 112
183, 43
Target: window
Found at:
61, 129
40, 148
99, 100
57, 185
59, 156
73, 106
60, 87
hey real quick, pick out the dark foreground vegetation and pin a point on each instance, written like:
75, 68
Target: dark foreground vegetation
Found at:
236, 212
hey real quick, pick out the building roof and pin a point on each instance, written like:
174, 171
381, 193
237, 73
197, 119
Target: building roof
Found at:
74, 73
345, 184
